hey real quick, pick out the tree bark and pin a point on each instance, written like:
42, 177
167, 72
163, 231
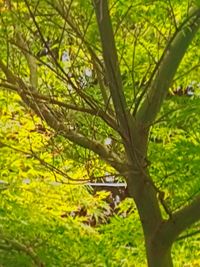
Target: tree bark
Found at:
158, 250
145, 194
159, 257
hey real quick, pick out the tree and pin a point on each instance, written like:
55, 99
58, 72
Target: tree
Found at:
64, 63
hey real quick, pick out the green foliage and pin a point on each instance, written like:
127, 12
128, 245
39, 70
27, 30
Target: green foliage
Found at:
175, 149
41, 171
174, 156
35, 210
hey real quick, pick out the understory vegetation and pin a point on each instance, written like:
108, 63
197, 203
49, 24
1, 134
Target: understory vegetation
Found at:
40, 218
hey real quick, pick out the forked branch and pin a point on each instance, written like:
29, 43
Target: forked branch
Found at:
180, 221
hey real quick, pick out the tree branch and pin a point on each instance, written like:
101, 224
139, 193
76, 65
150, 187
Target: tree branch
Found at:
98, 66
167, 67
42, 110
88, 100
180, 221
49, 100
111, 63
31, 60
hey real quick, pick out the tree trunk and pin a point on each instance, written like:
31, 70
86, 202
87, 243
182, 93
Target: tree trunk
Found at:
158, 257
142, 189
158, 250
